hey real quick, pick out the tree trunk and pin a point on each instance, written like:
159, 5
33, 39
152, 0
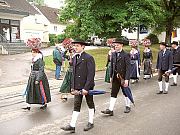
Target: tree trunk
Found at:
169, 29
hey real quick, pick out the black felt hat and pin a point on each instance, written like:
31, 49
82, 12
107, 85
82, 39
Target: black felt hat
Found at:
118, 40
175, 43
163, 43
79, 41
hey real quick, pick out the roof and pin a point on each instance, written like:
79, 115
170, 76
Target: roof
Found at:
50, 13
17, 7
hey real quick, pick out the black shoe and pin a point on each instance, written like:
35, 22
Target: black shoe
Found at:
43, 107
127, 110
68, 128
166, 92
174, 84
107, 111
88, 126
64, 99
160, 92
27, 108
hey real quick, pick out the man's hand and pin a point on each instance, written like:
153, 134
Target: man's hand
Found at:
84, 92
126, 83
75, 92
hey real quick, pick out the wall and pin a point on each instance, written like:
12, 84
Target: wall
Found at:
163, 35
134, 34
34, 26
60, 29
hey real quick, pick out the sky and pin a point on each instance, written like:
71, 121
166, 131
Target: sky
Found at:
54, 3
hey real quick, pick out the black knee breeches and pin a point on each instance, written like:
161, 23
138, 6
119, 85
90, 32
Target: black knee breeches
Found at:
161, 73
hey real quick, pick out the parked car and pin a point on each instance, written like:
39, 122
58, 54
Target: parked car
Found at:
89, 42
100, 42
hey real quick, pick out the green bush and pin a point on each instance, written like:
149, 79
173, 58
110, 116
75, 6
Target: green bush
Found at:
154, 39
61, 37
52, 39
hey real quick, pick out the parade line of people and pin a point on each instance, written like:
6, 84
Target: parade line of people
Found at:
122, 68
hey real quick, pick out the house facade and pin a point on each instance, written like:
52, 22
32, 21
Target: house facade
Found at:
51, 15
12, 13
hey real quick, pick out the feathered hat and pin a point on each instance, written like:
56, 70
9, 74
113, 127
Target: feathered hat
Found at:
67, 42
133, 43
34, 43
146, 42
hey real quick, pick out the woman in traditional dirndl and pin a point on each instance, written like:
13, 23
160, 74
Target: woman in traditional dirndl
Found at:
66, 85
107, 75
135, 62
147, 59
37, 90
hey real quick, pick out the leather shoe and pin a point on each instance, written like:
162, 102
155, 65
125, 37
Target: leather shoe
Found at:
107, 111
43, 107
27, 108
127, 110
160, 92
88, 126
174, 84
166, 92
68, 128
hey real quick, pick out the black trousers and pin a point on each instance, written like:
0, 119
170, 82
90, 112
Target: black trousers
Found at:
78, 101
116, 85
160, 76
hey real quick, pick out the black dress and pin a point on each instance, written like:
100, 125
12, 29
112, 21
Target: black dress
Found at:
38, 93
147, 60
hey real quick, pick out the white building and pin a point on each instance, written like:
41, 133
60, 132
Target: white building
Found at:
42, 24
51, 16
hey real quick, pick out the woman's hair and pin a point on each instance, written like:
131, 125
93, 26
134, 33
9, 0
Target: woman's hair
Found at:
36, 50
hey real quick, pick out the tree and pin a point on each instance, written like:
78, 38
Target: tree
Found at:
107, 18
172, 16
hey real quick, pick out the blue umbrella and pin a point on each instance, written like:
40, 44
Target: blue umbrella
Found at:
24, 92
96, 92
173, 69
127, 92
90, 92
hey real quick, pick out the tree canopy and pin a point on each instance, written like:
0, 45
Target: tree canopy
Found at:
107, 18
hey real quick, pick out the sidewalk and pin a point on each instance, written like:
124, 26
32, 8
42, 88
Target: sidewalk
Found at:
15, 69
18, 89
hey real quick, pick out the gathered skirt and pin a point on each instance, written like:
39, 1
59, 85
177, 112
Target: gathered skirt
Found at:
147, 67
135, 71
66, 85
37, 93
107, 75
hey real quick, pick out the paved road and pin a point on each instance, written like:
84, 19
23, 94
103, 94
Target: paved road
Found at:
152, 115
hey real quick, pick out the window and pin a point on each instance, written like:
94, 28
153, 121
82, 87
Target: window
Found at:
15, 22
9, 30
5, 21
15, 34
55, 28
